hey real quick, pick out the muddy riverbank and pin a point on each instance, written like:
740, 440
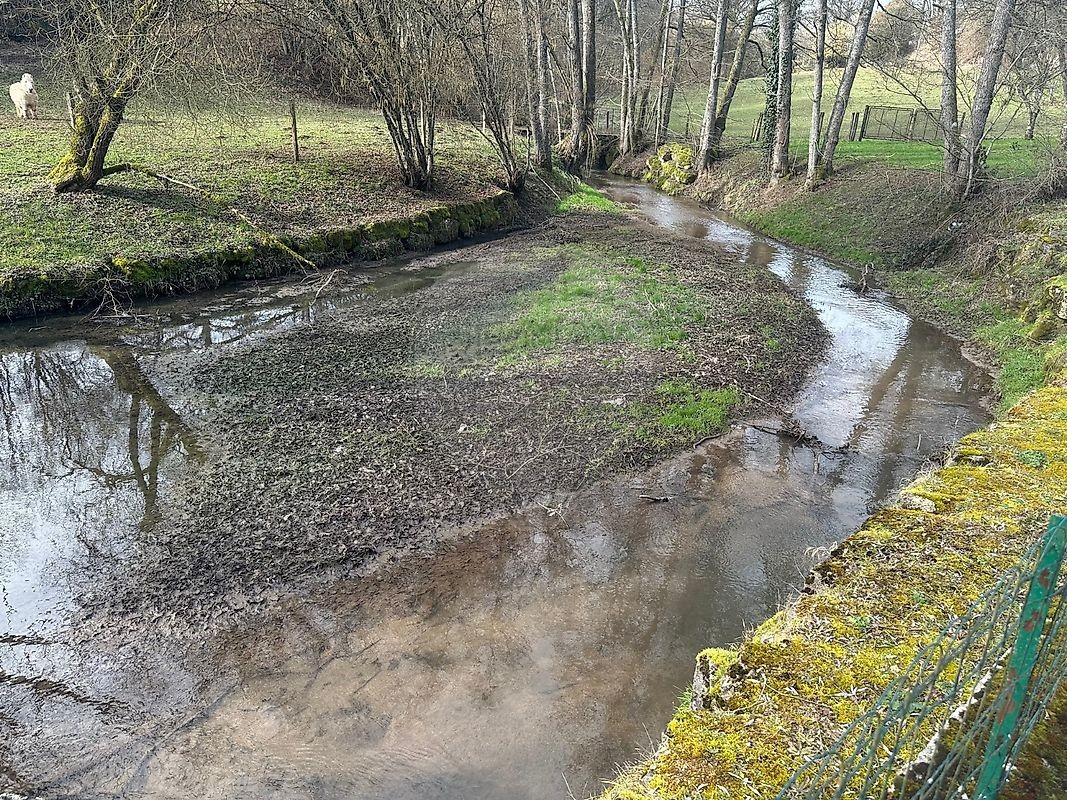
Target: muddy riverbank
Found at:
203, 463
518, 368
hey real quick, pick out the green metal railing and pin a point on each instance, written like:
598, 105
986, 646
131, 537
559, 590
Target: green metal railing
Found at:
952, 723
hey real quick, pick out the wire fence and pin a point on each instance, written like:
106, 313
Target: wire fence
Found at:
952, 723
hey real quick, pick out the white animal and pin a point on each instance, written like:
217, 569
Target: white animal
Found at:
24, 96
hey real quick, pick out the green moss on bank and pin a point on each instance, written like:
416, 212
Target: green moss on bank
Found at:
28, 290
883, 594
671, 168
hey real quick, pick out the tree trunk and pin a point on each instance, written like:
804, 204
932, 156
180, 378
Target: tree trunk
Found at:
816, 93
737, 66
1032, 114
950, 113
844, 91
659, 56
576, 148
98, 112
671, 80
770, 101
531, 12
709, 140
627, 14
582, 30
589, 55
971, 165
784, 105
1062, 53
544, 74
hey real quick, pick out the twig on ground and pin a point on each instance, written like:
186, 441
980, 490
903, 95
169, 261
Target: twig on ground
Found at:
267, 237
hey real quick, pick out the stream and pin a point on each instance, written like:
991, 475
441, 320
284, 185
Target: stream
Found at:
529, 659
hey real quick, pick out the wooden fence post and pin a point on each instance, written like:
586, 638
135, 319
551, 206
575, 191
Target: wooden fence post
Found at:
866, 118
911, 124
854, 126
296, 140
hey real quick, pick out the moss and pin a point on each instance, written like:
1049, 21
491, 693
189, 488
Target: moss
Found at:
884, 593
150, 275
670, 169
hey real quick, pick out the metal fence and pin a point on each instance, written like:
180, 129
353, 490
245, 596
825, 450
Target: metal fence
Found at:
887, 123
952, 723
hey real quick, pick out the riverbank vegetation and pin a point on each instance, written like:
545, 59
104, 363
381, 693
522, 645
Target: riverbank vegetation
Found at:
791, 687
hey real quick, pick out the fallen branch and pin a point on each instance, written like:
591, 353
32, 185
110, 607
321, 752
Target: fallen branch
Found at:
268, 238
794, 432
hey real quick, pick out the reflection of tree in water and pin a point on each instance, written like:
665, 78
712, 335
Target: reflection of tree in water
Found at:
80, 426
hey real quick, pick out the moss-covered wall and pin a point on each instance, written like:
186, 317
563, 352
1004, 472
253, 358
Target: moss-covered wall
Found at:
24, 294
886, 591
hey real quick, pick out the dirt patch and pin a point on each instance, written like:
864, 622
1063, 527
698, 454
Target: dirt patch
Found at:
372, 433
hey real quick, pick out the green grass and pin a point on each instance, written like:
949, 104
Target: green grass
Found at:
603, 298
1010, 153
586, 198
1023, 362
694, 410
813, 222
346, 176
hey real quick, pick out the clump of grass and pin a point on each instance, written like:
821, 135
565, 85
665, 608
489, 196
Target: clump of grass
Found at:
1023, 362
603, 298
694, 410
816, 222
586, 198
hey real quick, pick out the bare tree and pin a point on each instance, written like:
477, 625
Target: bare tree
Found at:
535, 38
669, 78
629, 122
581, 19
113, 50
973, 149
816, 92
826, 153
397, 49
784, 100
660, 47
709, 132
1032, 66
737, 66
950, 115
484, 30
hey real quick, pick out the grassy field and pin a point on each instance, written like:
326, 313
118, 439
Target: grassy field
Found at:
347, 175
1011, 154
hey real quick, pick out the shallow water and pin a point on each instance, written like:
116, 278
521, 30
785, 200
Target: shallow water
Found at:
525, 661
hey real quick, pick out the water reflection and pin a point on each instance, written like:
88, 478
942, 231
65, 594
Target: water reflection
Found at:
524, 662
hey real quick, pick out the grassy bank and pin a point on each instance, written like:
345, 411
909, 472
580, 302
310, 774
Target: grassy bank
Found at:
990, 273
135, 236
791, 687
1010, 153
980, 271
